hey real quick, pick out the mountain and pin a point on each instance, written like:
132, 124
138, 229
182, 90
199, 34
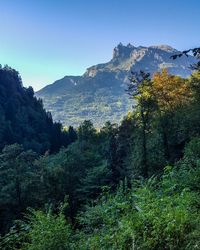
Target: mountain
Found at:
99, 94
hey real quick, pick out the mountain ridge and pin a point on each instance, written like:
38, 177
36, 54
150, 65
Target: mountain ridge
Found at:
99, 93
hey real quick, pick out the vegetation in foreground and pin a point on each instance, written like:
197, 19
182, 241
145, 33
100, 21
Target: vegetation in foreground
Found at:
159, 213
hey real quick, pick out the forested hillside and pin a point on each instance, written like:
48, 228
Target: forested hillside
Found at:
130, 186
23, 119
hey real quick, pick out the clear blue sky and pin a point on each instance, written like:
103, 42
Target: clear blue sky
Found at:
48, 39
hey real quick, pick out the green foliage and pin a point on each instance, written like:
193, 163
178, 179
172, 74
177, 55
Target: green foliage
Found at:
16, 236
48, 231
158, 214
94, 180
40, 231
18, 182
192, 150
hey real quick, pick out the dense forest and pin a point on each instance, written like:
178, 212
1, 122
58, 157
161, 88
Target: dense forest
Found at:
130, 186
23, 119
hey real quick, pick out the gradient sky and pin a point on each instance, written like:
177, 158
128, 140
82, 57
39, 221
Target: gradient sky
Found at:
47, 39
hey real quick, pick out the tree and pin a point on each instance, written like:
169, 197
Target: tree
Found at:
44, 231
86, 131
71, 135
194, 83
110, 150
139, 90
170, 93
126, 138
18, 181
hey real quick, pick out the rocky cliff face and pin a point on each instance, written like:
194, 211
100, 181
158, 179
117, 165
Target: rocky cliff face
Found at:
99, 94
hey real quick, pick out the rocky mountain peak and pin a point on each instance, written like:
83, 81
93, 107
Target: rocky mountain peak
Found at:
122, 51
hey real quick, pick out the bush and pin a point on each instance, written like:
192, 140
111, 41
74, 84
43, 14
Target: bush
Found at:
157, 214
39, 231
48, 231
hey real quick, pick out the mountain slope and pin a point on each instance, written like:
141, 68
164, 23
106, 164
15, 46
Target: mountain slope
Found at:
23, 119
99, 94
